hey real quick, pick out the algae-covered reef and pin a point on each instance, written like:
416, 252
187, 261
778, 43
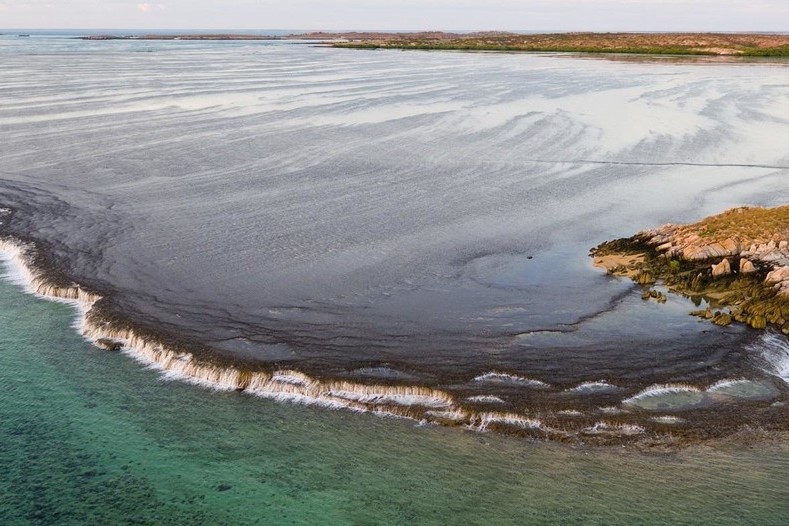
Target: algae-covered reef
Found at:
737, 260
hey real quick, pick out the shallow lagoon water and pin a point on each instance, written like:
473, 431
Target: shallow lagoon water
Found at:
89, 437
417, 218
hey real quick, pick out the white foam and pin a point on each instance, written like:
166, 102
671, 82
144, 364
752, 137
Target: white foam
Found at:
661, 390
383, 396
608, 428
456, 415
282, 385
486, 399
725, 384
290, 377
593, 387
772, 350
667, 419
511, 419
499, 377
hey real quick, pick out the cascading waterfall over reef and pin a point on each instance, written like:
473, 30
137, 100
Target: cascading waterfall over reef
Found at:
419, 403
316, 229
416, 402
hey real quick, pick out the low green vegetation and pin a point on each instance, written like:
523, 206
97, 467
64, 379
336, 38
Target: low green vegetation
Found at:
632, 43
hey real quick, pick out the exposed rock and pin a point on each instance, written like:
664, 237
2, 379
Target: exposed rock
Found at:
654, 294
721, 269
746, 266
705, 314
731, 246
645, 277
778, 275
108, 344
747, 246
757, 322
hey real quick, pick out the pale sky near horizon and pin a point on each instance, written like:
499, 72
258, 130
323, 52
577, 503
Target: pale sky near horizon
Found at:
536, 15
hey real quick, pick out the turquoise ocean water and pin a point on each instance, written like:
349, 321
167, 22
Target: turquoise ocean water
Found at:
91, 437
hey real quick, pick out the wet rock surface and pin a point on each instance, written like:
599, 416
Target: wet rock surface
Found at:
737, 260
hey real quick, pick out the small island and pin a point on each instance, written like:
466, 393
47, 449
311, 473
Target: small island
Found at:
738, 261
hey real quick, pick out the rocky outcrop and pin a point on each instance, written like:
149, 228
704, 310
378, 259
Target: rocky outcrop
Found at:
738, 260
779, 279
757, 237
721, 269
746, 266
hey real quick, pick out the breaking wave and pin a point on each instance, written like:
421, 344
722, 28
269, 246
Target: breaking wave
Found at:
593, 387
507, 378
419, 403
486, 399
772, 349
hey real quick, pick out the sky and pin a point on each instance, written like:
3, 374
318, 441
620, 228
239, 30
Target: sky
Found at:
528, 15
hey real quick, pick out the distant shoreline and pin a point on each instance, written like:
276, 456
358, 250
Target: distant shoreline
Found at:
705, 44
699, 44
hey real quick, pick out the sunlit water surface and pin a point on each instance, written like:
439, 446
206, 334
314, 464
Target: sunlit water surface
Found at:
421, 218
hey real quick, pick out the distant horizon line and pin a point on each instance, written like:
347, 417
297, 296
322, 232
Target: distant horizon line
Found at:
203, 30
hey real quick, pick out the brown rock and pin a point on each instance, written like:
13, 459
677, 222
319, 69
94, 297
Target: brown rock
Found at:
778, 275
645, 277
721, 269
746, 266
757, 322
731, 246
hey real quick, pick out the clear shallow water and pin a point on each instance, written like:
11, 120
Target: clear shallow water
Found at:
422, 218
89, 437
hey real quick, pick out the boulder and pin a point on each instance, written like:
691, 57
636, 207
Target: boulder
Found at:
731, 246
645, 277
778, 275
721, 269
757, 322
746, 266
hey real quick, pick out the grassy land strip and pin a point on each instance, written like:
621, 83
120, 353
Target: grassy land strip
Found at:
635, 43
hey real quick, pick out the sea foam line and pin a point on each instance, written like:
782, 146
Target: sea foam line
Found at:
660, 390
593, 387
507, 378
773, 350
282, 385
402, 401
